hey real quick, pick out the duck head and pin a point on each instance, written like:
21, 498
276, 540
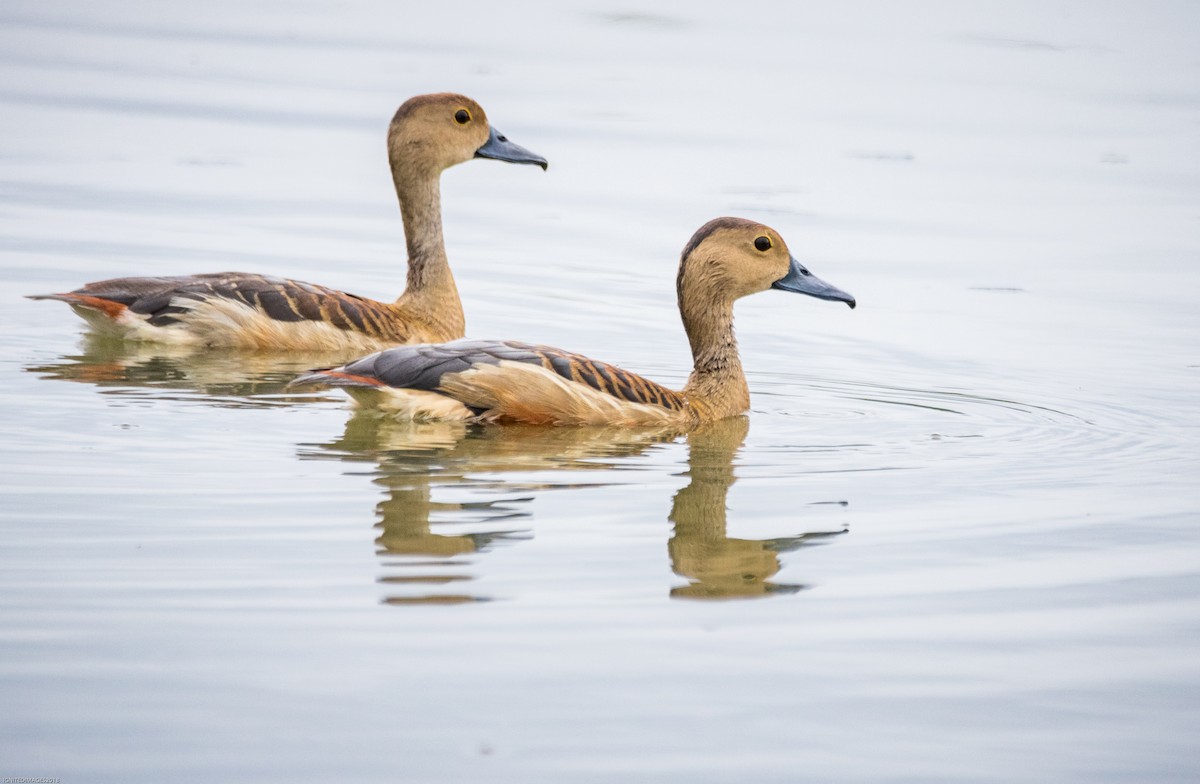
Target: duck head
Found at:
729, 258
434, 132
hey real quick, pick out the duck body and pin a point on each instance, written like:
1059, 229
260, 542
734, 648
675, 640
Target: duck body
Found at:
509, 381
504, 381
247, 311
428, 134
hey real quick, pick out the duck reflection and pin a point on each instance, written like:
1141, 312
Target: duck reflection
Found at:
427, 547
718, 566
220, 377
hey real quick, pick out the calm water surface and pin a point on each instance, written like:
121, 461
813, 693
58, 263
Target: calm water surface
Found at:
956, 539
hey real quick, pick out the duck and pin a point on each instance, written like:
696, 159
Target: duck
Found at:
427, 135
507, 381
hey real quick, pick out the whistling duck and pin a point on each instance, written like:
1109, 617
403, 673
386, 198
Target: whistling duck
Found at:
507, 381
428, 134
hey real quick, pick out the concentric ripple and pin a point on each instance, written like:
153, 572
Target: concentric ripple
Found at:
1006, 437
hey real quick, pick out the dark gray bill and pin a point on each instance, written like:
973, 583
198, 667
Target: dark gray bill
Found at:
801, 281
500, 148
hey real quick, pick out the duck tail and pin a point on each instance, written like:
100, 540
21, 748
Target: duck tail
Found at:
335, 377
109, 307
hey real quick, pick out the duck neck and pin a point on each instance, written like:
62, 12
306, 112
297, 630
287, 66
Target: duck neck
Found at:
717, 387
431, 292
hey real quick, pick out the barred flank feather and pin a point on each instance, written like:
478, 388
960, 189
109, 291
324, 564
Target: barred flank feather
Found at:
424, 366
516, 392
512, 381
167, 301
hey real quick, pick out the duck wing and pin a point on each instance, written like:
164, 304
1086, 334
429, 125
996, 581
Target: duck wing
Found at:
428, 367
164, 301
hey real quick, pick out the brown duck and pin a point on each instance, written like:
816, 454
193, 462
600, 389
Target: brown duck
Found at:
428, 134
507, 381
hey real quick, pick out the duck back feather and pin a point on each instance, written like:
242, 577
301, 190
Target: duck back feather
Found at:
505, 380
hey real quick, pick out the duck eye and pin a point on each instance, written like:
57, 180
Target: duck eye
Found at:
763, 243
462, 117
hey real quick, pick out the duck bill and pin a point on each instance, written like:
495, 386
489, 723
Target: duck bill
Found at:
801, 281
499, 148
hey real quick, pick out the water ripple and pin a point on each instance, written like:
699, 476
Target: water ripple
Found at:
903, 424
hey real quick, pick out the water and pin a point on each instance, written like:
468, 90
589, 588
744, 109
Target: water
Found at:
955, 540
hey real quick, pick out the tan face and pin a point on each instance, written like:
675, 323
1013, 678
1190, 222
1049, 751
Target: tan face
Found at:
435, 132
735, 257
729, 258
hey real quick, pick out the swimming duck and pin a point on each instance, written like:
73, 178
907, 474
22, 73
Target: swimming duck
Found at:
428, 134
507, 381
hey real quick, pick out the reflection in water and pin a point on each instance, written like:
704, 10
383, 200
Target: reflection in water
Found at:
422, 542
426, 544
718, 566
221, 377
407, 517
